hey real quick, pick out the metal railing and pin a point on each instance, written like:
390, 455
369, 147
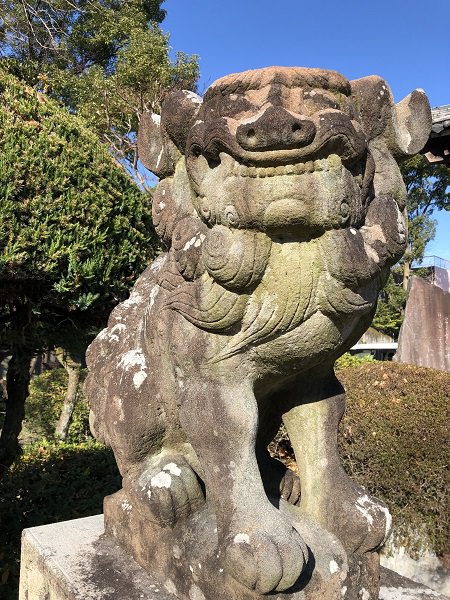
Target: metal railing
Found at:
433, 261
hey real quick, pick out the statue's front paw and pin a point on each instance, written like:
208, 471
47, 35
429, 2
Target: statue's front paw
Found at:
167, 491
266, 557
360, 521
375, 521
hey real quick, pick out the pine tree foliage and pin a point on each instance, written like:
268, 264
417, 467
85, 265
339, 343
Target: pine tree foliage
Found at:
106, 60
74, 229
75, 232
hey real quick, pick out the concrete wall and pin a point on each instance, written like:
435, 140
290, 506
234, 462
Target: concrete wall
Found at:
425, 334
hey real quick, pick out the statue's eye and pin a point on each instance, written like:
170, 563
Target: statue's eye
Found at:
234, 105
316, 101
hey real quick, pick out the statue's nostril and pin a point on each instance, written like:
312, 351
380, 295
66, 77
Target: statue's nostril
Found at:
251, 133
296, 127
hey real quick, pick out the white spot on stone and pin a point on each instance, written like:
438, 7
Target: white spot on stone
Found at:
176, 551
159, 157
363, 504
364, 594
134, 298
156, 119
112, 333
215, 433
153, 293
126, 506
164, 192
220, 570
353, 231
388, 518
139, 378
199, 565
149, 493
158, 262
173, 469
132, 358
161, 480
190, 243
191, 568
241, 538
162, 205
343, 590
334, 567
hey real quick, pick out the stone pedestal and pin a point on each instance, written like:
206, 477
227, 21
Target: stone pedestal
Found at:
74, 560
187, 560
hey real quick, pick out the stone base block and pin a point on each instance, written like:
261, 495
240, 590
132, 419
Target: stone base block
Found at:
74, 560
187, 561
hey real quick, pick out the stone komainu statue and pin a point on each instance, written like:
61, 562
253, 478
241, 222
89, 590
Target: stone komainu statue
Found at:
280, 204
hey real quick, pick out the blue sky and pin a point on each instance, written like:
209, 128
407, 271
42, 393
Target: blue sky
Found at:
404, 41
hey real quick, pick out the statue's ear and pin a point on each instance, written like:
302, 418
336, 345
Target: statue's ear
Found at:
179, 113
403, 127
156, 151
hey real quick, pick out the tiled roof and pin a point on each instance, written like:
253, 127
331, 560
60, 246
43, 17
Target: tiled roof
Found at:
437, 149
441, 118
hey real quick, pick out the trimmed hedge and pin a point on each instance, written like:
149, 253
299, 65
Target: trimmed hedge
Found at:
394, 440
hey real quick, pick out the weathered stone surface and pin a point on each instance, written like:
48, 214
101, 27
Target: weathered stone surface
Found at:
425, 333
280, 206
74, 560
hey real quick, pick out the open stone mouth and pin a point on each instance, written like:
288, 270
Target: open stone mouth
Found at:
332, 163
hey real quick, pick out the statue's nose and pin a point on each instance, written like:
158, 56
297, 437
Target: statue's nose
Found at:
276, 129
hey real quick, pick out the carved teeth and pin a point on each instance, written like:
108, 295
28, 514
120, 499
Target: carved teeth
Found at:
333, 162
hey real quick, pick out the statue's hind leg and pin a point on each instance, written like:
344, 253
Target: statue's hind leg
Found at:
328, 494
258, 545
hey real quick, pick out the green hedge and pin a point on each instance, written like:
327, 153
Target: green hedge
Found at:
394, 440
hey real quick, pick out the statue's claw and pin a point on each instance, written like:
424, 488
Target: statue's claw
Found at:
167, 491
267, 557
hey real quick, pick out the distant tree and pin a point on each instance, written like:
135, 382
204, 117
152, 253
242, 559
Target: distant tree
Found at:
75, 232
391, 305
106, 60
428, 190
